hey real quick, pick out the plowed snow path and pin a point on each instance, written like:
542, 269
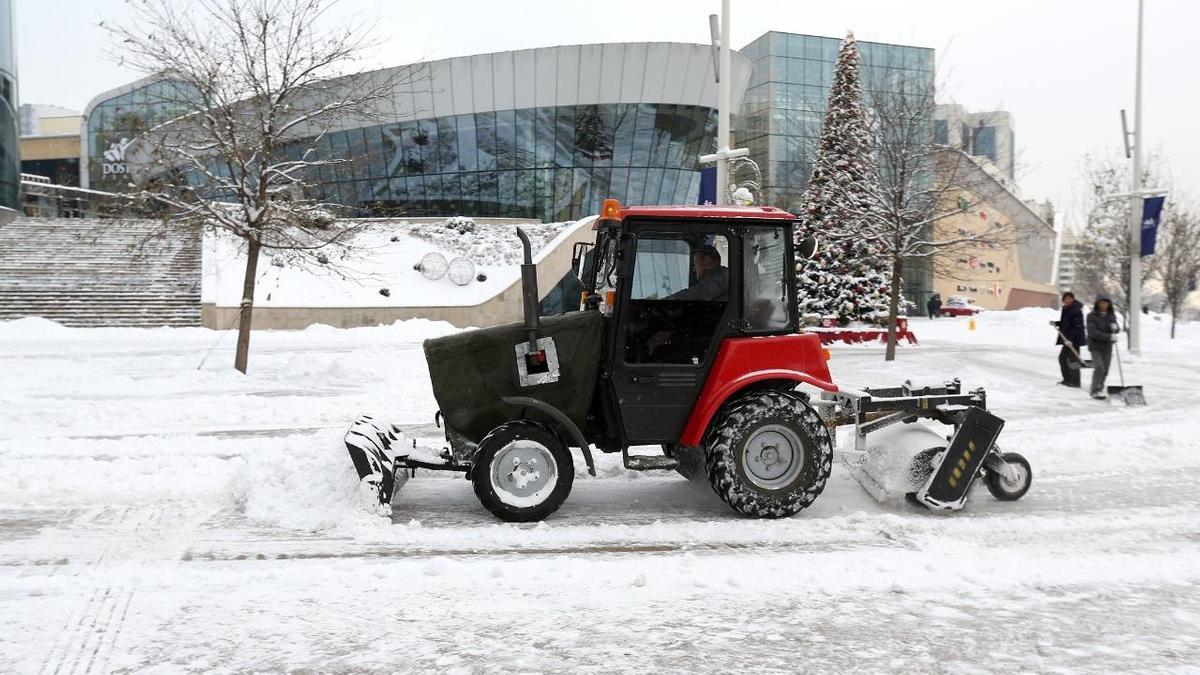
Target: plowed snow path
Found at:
154, 516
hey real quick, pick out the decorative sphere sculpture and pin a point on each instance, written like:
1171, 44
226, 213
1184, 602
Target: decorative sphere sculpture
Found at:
462, 271
433, 266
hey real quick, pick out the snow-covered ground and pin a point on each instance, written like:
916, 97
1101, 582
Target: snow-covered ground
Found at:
382, 258
159, 516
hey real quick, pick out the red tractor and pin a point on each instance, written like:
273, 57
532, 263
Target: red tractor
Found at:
687, 338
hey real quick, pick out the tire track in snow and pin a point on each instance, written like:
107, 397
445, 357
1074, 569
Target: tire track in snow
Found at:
91, 630
88, 639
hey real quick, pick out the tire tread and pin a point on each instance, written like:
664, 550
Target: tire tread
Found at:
723, 434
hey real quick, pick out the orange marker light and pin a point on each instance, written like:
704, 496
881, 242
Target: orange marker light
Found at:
826, 354
610, 209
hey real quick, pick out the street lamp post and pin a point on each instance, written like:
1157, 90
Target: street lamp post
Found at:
724, 104
1135, 215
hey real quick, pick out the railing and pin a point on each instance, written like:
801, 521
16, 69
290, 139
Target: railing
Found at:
42, 199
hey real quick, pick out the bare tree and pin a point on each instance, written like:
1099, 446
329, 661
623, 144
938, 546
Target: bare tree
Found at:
1102, 262
1179, 256
258, 85
919, 186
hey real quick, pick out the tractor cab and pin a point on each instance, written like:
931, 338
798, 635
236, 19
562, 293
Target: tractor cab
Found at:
675, 283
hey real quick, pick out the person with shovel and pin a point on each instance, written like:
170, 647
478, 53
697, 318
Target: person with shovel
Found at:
1102, 329
1072, 336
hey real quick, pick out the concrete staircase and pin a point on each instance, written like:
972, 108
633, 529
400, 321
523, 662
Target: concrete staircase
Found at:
88, 272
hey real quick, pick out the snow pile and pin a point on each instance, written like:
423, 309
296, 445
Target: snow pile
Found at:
378, 268
301, 486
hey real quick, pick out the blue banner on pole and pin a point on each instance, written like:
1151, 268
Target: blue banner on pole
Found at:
1151, 216
708, 185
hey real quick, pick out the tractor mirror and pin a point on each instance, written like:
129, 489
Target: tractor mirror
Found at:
579, 260
808, 247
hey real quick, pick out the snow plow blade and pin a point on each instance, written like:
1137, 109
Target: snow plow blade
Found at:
372, 446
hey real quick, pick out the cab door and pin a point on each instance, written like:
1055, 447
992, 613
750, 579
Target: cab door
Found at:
672, 315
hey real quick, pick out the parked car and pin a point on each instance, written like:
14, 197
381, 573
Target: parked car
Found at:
960, 306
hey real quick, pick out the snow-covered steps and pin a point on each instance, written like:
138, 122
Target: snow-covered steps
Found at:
91, 272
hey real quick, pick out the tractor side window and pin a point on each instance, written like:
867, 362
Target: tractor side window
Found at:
663, 268
764, 289
678, 294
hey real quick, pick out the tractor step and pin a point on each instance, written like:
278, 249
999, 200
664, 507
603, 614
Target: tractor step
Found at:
648, 462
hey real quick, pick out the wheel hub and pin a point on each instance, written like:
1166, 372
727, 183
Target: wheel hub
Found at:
523, 471
1014, 477
773, 456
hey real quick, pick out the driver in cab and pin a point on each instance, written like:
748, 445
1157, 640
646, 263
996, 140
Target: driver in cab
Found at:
712, 279
711, 285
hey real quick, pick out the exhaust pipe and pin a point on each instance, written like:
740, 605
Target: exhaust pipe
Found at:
529, 292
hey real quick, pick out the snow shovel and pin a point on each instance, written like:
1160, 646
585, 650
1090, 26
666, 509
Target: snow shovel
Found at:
1080, 362
1130, 394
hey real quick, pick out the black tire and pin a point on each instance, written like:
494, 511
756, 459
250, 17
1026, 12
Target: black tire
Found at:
1002, 489
690, 461
755, 417
532, 497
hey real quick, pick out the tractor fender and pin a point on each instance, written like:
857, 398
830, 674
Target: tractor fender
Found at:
560, 418
743, 362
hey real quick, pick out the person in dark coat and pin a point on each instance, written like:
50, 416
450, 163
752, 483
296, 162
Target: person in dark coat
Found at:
1102, 329
1070, 324
934, 305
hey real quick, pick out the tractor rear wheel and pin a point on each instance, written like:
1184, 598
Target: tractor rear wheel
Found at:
522, 471
768, 454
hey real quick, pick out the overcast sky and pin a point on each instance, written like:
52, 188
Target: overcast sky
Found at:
1063, 68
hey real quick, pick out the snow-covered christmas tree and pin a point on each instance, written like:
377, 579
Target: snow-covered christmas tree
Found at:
848, 278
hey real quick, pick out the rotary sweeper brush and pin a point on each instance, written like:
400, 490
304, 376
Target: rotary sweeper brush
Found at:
687, 338
940, 475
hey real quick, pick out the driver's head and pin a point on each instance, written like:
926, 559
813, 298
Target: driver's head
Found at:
704, 260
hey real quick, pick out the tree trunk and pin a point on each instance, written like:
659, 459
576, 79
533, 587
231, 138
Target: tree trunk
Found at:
247, 308
893, 308
1172, 322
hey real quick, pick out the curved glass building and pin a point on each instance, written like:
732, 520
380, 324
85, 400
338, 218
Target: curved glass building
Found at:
547, 133
536, 133
113, 119
10, 158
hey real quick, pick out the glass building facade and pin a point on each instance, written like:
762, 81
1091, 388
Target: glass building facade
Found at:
539, 133
784, 107
785, 103
10, 157
114, 121
550, 163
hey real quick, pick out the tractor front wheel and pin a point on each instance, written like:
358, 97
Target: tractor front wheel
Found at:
768, 454
522, 471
